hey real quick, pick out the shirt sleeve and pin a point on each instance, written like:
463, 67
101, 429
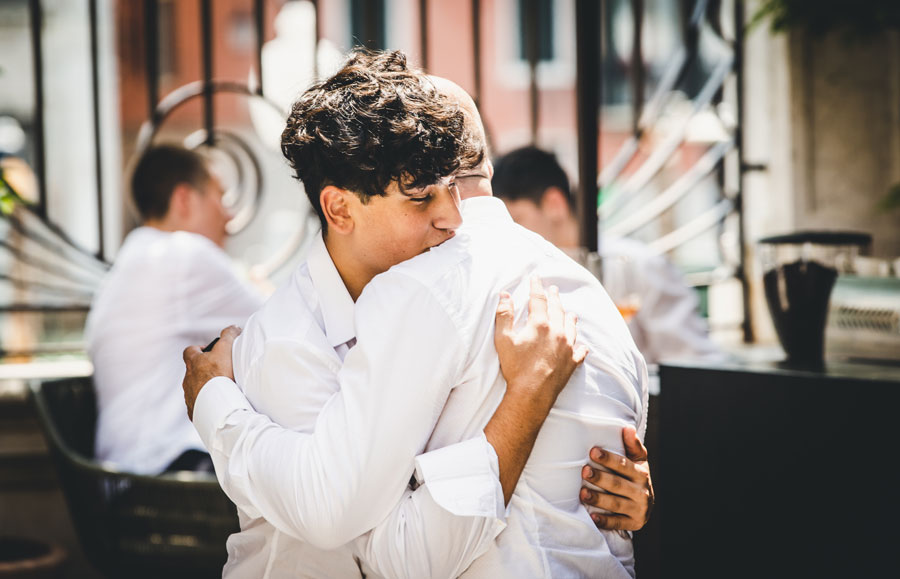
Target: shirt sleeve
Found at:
351, 474
420, 538
668, 319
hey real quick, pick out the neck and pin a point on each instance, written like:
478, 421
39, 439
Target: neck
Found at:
162, 225
565, 233
352, 271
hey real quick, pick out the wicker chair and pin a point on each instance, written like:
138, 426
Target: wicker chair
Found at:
172, 525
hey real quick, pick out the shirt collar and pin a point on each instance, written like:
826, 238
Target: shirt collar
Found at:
484, 209
334, 299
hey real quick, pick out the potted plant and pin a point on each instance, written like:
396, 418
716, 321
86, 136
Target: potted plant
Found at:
859, 18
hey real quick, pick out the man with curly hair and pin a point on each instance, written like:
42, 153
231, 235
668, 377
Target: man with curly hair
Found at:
377, 147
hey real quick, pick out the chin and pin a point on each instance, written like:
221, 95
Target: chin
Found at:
449, 237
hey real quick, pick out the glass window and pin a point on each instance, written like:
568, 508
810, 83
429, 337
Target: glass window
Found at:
367, 23
542, 12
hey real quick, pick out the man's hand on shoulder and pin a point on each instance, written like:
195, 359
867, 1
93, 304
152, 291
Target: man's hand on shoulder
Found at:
202, 366
538, 359
629, 490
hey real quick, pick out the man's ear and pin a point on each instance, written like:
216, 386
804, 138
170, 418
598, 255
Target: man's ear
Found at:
555, 205
181, 200
489, 169
336, 208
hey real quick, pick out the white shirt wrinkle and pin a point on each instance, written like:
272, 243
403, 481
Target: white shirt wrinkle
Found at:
165, 291
548, 532
285, 365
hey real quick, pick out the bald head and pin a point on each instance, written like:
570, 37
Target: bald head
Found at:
473, 181
458, 94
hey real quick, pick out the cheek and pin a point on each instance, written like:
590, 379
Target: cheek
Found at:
409, 238
397, 236
420, 232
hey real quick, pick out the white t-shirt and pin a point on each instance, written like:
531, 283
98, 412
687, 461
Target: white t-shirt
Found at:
165, 292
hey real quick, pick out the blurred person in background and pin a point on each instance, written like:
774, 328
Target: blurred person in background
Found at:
661, 310
171, 285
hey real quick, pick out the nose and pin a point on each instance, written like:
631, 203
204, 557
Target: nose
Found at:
447, 215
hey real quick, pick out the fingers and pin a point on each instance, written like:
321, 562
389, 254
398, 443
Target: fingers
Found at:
229, 334
190, 353
623, 513
503, 320
629, 481
505, 313
616, 463
614, 522
571, 327
537, 301
634, 448
580, 351
616, 505
610, 483
580, 354
556, 315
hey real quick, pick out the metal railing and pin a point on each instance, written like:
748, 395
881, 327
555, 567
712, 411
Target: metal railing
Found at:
84, 270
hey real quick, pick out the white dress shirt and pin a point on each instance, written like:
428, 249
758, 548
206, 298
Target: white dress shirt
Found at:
424, 375
165, 292
287, 362
667, 323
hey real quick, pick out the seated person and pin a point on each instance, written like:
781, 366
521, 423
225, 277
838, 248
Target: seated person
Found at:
664, 319
171, 285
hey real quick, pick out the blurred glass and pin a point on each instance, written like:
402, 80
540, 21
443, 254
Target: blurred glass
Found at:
800, 270
622, 284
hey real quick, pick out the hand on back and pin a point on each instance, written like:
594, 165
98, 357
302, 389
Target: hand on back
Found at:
539, 358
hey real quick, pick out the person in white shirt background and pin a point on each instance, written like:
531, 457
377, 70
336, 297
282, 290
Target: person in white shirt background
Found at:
661, 310
171, 285
424, 374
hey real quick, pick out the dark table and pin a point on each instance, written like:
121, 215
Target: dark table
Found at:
768, 471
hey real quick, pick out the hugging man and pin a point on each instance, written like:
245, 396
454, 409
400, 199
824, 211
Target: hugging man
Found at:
377, 361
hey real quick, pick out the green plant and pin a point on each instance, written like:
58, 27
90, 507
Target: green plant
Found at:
8, 196
860, 18
891, 201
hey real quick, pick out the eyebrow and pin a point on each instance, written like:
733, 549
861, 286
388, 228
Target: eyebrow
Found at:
421, 190
414, 192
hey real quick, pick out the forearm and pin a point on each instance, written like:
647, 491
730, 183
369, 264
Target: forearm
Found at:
279, 474
451, 519
338, 483
536, 362
512, 431
260, 466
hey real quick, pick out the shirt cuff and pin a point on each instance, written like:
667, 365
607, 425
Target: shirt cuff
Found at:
218, 399
464, 478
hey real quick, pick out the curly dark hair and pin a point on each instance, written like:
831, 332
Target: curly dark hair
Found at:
374, 122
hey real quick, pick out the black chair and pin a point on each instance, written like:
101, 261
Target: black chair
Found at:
129, 525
